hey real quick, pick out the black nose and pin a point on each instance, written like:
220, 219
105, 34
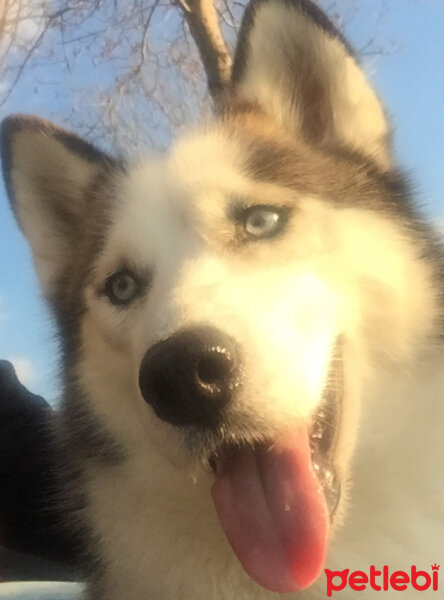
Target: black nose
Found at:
191, 376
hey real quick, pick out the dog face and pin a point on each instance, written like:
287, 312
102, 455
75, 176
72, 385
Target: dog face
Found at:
233, 299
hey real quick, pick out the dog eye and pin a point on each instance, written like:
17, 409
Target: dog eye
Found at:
122, 287
262, 222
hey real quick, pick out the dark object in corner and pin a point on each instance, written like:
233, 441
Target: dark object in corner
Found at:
30, 521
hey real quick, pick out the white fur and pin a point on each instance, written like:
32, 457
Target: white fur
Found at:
346, 271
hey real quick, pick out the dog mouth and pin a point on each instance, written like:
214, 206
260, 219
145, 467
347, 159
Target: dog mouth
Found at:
276, 500
324, 434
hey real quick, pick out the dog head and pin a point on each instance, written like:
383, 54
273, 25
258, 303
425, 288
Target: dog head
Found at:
233, 299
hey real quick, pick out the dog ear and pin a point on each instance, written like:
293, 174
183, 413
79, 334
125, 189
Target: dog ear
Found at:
48, 174
293, 63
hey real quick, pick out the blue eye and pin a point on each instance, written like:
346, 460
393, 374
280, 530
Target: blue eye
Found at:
122, 287
262, 222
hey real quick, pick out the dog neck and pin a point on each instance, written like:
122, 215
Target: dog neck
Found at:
397, 496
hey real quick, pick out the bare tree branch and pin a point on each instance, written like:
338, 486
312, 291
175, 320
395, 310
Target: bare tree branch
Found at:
202, 19
22, 67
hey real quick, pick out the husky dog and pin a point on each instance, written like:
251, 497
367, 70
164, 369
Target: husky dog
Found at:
251, 333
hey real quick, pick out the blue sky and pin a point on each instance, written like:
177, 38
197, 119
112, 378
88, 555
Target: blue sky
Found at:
410, 81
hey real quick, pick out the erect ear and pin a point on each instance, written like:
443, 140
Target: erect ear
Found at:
49, 175
295, 64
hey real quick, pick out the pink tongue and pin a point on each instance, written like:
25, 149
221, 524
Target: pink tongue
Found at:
274, 514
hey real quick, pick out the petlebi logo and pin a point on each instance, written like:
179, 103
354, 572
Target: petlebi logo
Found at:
383, 580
